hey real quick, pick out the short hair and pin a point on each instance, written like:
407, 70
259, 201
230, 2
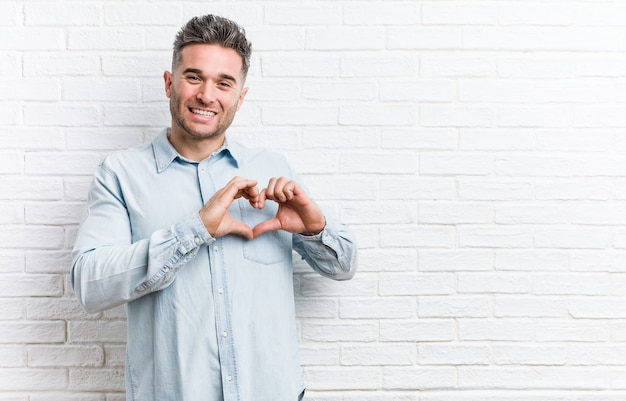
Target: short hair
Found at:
212, 29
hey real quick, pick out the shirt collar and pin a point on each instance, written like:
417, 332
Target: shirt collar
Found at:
165, 153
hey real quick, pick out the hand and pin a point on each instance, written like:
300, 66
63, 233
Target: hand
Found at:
215, 216
297, 213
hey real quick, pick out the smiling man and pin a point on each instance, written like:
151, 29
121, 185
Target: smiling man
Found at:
194, 233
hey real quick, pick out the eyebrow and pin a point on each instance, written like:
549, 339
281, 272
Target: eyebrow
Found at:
199, 72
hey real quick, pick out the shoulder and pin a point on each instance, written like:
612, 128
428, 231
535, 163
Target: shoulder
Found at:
128, 159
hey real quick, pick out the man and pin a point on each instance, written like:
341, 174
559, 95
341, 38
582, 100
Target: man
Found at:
179, 231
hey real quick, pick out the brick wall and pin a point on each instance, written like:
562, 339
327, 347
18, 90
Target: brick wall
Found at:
478, 148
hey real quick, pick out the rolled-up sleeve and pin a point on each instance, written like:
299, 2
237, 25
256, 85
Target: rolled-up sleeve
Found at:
108, 269
332, 253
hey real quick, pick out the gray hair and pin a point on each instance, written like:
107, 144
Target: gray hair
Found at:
213, 30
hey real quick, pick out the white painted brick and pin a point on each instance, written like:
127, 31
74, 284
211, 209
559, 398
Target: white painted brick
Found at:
141, 14
496, 330
530, 306
20, 38
495, 236
60, 115
34, 138
456, 116
416, 284
431, 90
417, 38
536, 14
31, 285
383, 308
422, 330
34, 188
392, 65
436, 64
571, 331
24, 331
102, 139
332, 332
489, 283
329, 90
600, 14
10, 63
11, 357
8, 14
318, 355
53, 356
349, 378
396, 114
419, 378
56, 308
65, 396
464, 14
580, 189
379, 354
501, 377
421, 139
316, 308
297, 64
11, 213
535, 116
33, 379
31, 237
379, 213
11, 260
96, 379
345, 38
455, 213
388, 260
420, 236
103, 90
136, 65
579, 237
59, 163
456, 260
121, 38
60, 63
496, 91
30, 89
533, 66
444, 354
12, 309
379, 163
265, 38
453, 306
440, 188
11, 163
302, 14
10, 113
295, 115
115, 355
511, 354
383, 13
59, 13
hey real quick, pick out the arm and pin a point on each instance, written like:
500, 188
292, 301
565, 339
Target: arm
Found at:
107, 268
327, 246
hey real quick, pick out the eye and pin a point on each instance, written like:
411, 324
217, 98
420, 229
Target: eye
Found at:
225, 84
193, 78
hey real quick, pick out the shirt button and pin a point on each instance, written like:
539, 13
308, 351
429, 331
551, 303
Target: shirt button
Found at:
196, 240
220, 291
215, 248
229, 378
224, 334
166, 269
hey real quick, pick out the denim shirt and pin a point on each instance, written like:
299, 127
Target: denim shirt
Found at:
209, 319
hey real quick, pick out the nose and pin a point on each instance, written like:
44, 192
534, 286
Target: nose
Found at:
206, 93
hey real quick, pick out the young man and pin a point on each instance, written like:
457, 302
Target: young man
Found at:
179, 231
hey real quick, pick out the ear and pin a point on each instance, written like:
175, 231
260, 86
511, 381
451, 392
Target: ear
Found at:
242, 95
167, 78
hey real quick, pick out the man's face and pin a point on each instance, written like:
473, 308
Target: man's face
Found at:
205, 91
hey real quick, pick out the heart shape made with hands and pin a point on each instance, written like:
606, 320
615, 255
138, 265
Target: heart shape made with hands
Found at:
296, 213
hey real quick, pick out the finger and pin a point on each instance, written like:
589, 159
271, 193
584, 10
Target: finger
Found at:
269, 190
280, 187
266, 226
242, 229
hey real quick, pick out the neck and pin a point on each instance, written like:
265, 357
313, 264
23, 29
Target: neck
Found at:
196, 149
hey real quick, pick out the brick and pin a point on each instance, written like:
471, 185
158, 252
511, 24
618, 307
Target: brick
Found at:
264, 38
12, 309
521, 330
295, 115
322, 14
571, 331
16, 285
437, 64
444, 354
11, 260
456, 260
67, 14
389, 260
318, 355
386, 163
411, 38
383, 13
33, 379
333, 332
416, 188
21, 38
490, 283
96, 379
455, 213
11, 357
316, 308
453, 307
379, 213
60, 115
141, 14
377, 355
345, 38
421, 378
531, 354
459, 14
383, 308
423, 330
49, 163
11, 213
32, 332
456, 116
496, 236
70, 356
298, 64
420, 236
416, 284
107, 90
56, 308
29, 187
30, 89
349, 378
8, 14
120, 38
536, 14
530, 306
365, 65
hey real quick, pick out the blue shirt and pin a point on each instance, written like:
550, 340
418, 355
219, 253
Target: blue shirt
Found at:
208, 318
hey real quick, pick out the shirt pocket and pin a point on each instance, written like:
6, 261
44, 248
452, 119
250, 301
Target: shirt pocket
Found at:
268, 248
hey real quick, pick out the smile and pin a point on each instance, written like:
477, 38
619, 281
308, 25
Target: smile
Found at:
205, 113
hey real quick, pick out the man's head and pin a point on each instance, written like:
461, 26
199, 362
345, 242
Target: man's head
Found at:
213, 30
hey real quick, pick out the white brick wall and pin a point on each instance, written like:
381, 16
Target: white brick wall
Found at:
477, 147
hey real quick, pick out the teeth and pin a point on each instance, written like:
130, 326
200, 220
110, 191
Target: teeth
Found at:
203, 112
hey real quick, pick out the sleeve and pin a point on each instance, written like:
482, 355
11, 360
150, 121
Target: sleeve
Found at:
107, 268
332, 253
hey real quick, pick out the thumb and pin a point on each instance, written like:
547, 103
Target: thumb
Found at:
242, 229
272, 224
